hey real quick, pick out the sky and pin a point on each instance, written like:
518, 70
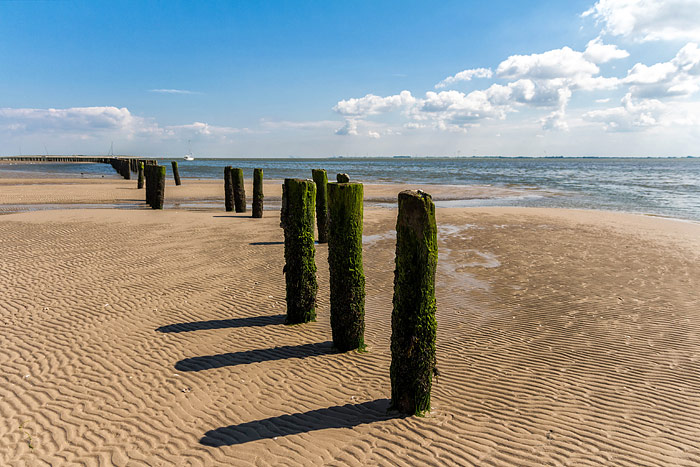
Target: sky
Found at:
352, 78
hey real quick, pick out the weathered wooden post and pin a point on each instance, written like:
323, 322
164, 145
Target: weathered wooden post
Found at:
238, 189
300, 267
140, 176
148, 174
283, 209
347, 277
176, 173
159, 192
343, 178
258, 195
228, 189
413, 325
321, 179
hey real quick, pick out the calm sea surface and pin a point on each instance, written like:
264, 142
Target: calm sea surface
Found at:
665, 187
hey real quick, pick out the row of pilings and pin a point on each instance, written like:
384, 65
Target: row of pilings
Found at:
338, 208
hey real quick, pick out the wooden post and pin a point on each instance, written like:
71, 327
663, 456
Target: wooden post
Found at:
159, 192
347, 277
258, 195
343, 178
238, 190
148, 174
300, 267
321, 179
228, 189
413, 325
140, 176
176, 173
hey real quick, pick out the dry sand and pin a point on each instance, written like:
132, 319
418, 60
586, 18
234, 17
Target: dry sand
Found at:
138, 337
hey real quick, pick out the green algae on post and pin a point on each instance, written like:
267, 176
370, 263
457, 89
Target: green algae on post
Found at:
238, 189
342, 178
140, 176
176, 173
228, 189
347, 277
413, 325
321, 179
258, 196
299, 250
159, 194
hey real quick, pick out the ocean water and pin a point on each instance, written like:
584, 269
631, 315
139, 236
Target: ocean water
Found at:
664, 187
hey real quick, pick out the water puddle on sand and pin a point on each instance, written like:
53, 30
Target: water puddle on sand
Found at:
454, 263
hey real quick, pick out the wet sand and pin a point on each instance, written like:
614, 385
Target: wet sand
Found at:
138, 337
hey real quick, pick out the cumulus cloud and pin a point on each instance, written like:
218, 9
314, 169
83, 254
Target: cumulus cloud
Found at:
678, 77
648, 20
631, 115
350, 128
465, 75
372, 105
597, 52
554, 64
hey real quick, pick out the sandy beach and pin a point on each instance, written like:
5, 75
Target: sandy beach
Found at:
140, 337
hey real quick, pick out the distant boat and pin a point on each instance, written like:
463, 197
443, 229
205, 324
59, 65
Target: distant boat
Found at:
188, 156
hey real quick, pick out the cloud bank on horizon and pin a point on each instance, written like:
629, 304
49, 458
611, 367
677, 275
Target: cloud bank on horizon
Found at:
515, 105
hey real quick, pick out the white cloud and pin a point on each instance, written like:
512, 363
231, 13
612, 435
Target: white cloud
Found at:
204, 129
648, 20
372, 105
298, 125
554, 64
173, 91
678, 77
373, 134
631, 115
350, 128
465, 75
597, 52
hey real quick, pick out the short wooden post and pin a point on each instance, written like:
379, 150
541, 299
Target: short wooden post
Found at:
159, 192
228, 189
347, 277
238, 189
342, 178
321, 179
140, 176
176, 173
258, 195
299, 251
413, 325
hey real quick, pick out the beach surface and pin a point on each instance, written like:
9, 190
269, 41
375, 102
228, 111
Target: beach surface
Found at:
139, 337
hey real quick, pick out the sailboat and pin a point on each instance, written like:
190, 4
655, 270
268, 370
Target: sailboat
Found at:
188, 156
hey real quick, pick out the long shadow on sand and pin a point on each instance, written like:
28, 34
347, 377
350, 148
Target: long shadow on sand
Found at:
251, 322
266, 243
340, 416
209, 362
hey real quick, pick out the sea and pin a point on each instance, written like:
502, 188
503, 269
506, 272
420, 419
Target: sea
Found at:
668, 187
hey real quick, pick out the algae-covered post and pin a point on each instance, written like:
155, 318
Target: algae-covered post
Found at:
159, 187
299, 251
283, 209
258, 193
413, 325
148, 173
343, 178
176, 173
238, 190
140, 176
347, 277
228, 189
321, 179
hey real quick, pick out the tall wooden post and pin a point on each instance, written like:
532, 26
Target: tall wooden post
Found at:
159, 194
176, 173
413, 325
299, 251
228, 189
258, 193
347, 277
140, 176
321, 179
238, 189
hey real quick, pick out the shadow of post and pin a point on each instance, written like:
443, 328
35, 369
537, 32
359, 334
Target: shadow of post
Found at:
340, 416
254, 321
210, 362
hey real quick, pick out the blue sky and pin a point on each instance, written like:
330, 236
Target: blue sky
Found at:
613, 77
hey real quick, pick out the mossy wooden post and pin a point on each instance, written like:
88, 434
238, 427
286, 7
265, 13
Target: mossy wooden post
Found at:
343, 178
413, 325
258, 193
321, 179
228, 189
300, 267
176, 173
148, 174
238, 190
159, 188
140, 176
283, 209
347, 277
